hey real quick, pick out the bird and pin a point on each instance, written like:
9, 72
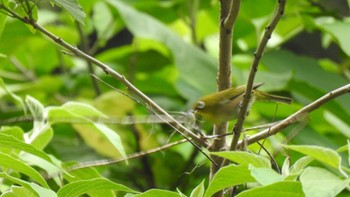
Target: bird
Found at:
223, 106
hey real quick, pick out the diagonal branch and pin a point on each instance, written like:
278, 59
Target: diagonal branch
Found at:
254, 67
297, 115
181, 129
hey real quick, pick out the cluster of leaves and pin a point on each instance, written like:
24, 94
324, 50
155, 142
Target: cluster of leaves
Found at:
170, 56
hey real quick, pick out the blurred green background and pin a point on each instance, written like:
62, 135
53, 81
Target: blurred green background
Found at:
169, 50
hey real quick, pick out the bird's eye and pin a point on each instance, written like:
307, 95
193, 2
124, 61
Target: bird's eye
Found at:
200, 105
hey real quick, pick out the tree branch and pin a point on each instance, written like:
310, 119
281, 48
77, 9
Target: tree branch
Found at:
104, 162
254, 67
181, 129
228, 13
297, 115
233, 13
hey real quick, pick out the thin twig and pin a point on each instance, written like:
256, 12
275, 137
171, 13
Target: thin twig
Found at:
85, 46
131, 156
105, 162
273, 119
29, 75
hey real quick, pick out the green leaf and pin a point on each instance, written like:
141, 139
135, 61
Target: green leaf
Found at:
198, 191
41, 133
78, 188
11, 142
103, 21
244, 158
321, 154
305, 69
16, 191
265, 176
90, 131
30, 153
37, 111
50, 168
88, 174
338, 30
284, 188
73, 7
308, 80
8, 161
14, 96
29, 189
82, 109
44, 138
35, 107
197, 70
300, 165
318, 182
229, 176
285, 170
43, 191
158, 192
15, 131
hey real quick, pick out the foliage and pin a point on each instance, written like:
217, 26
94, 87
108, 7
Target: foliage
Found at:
167, 49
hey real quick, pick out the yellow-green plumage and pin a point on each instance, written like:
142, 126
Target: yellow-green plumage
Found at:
223, 106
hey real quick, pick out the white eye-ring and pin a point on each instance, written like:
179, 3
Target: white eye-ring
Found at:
200, 105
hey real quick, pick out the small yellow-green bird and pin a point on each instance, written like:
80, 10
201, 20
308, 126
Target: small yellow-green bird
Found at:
223, 106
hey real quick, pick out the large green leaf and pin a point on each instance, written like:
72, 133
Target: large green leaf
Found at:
158, 192
197, 73
322, 154
28, 188
244, 158
85, 186
318, 182
300, 165
284, 188
227, 177
265, 176
11, 142
73, 7
305, 69
308, 82
91, 130
199, 190
339, 31
8, 161
30, 154
103, 21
